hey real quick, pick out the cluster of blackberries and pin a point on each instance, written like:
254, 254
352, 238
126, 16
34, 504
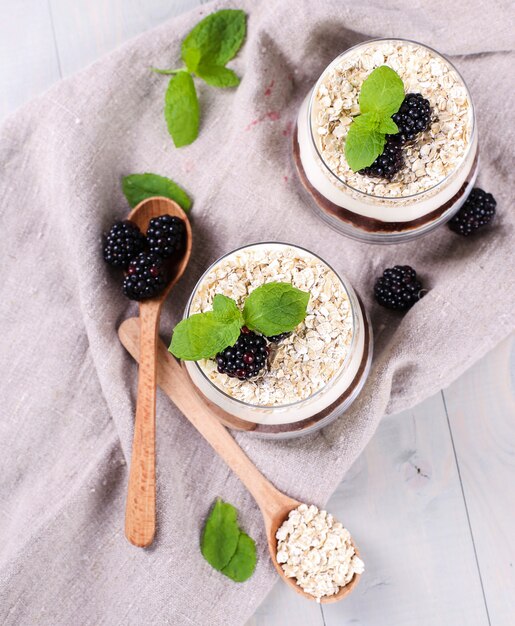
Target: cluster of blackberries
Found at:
145, 277
143, 256
248, 356
389, 162
122, 243
412, 118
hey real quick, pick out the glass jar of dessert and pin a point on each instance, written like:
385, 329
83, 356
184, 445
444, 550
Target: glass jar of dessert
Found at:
422, 173
298, 381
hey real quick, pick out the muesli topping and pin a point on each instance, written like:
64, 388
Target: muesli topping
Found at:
303, 362
434, 154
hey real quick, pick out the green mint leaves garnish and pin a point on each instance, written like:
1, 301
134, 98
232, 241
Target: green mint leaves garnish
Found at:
182, 112
271, 309
364, 141
275, 308
213, 42
226, 310
203, 335
220, 535
382, 92
138, 187
218, 76
380, 97
388, 126
225, 546
243, 562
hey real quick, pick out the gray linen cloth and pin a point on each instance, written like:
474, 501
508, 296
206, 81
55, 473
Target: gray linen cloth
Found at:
67, 393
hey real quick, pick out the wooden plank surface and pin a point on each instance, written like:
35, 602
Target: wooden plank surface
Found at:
481, 411
87, 29
284, 608
431, 501
404, 501
28, 58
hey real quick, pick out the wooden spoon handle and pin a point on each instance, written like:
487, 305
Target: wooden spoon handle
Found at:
177, 385
140, 512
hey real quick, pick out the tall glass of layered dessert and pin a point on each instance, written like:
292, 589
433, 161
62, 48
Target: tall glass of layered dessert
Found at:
299, 381
435, 168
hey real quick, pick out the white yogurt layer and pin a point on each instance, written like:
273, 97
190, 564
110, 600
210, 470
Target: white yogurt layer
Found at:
310, 369
437, 163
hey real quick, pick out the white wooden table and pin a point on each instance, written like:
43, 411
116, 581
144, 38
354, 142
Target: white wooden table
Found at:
432, 499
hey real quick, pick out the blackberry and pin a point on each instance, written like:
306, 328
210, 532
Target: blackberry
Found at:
278, 338
413, 117
145, 277
398, 288
478, 210
165, 235
389, 162
122, 243
246, 358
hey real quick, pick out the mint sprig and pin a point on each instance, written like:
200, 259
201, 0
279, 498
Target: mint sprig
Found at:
139, 187
225, 546
203, 335
380, 97
209, 46
271, 309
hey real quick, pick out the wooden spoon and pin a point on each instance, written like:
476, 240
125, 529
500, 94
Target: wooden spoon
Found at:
140, 512
273, 504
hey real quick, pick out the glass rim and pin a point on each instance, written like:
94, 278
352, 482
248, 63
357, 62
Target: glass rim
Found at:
350, 294
364, 193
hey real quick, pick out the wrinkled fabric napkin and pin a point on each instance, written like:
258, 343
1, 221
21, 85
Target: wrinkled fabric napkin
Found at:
67, 396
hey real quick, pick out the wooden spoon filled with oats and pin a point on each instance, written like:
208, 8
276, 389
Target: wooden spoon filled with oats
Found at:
312, 552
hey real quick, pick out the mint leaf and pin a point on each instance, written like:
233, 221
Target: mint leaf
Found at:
138, 187
382, 92
388, 126
217, 76
226, 310
220, 535
225, 546
182, 109
202, 335
215, 40
275, 308
243, 562
363, 145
